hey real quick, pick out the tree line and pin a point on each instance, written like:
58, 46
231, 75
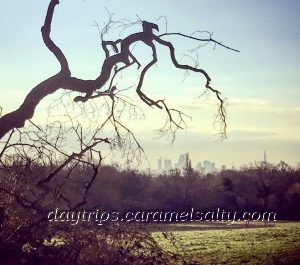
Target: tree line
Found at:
258, 187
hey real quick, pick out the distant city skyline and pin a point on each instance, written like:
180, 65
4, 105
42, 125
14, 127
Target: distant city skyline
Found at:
204, 167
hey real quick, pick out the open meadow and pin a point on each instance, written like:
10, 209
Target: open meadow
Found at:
236, 244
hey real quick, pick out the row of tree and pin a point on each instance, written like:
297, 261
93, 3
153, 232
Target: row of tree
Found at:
259, 187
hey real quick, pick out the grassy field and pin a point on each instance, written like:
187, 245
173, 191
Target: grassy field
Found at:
215, 244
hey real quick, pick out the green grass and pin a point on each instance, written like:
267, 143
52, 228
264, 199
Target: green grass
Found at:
279, 244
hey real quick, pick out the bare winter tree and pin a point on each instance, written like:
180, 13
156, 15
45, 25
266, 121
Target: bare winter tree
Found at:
38, 172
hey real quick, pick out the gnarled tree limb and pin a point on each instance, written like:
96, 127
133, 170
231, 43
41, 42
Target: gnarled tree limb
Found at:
64, 80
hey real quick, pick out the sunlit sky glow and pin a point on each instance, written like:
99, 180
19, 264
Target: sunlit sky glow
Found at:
261, 82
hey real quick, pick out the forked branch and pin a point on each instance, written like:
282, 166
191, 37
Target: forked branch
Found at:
92, 88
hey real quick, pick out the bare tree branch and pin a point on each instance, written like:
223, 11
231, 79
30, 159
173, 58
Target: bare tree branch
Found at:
198, 39
122, 54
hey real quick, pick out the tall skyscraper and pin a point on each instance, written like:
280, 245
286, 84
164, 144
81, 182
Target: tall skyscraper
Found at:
199, 167
159, 164
181, 162
207, 166
167, 164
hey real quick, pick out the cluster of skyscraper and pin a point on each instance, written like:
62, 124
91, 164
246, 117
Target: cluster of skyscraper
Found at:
205, 167
166, 166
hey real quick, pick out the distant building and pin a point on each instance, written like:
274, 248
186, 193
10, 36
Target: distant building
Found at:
223, 168
181, 162
213, 167
167, 164
199, 168
265, 156
159, 164
207, 166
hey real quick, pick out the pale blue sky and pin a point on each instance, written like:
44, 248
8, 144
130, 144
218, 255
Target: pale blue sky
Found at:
261, 82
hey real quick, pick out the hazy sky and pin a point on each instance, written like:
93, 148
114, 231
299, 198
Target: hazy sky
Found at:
261, 82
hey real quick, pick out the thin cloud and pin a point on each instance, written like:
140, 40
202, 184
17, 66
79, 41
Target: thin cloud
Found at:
261, 105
